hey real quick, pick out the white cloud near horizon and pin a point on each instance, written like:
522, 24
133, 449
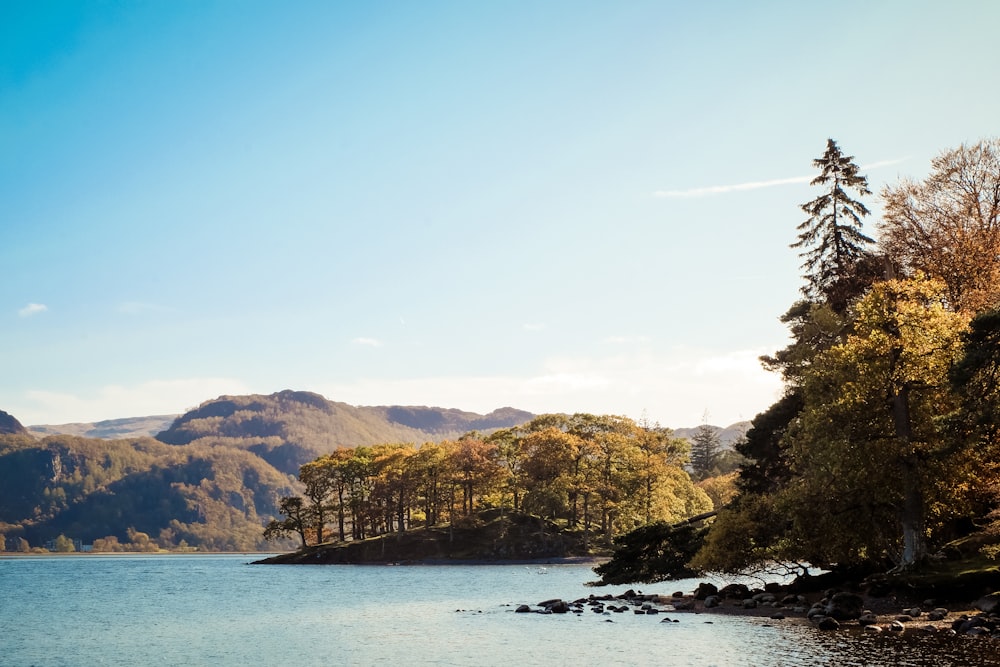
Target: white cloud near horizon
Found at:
32, 309
155, 397
756, 185
674, 390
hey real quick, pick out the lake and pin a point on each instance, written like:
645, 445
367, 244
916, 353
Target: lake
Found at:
84, 610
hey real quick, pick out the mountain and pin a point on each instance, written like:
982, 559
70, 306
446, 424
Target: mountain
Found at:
10, 425
290, 428
211, 479
109, 429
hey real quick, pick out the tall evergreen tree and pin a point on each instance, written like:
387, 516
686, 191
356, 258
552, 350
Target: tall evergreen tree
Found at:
705, 449
834, 248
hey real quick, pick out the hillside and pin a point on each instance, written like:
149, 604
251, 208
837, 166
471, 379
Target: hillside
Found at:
290, 428
10, 425
211, 479
135, 491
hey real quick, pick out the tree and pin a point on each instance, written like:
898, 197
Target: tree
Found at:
976, 378
320, 480
64, 544
296, 521
705, 449
834, 247
653, 553
948, 226
869, 456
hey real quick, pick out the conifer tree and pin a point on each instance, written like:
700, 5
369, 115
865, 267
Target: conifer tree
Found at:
833, 246
705, 449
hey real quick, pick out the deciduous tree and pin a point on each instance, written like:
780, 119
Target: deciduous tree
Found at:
948, 226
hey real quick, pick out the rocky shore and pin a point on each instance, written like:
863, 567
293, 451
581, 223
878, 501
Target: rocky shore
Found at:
827, 610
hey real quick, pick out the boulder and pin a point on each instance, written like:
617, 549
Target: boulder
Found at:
828, 623
523, 609
712, 601
557, 607
844, 606
867, 618
988, 604
937, 614
738, 591
705, 589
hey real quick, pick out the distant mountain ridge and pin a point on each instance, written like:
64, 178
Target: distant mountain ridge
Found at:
728, 436
108, 429
402, 422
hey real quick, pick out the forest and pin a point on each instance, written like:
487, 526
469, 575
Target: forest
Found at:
882, 454
602, 475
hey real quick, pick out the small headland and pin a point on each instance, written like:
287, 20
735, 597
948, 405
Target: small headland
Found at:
490, 536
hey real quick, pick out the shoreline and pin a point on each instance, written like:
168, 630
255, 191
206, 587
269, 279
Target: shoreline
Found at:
827, 611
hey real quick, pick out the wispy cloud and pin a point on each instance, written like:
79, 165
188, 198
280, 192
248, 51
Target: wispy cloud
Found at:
529, 326
757, 185
370, 342
737, 187
32, 309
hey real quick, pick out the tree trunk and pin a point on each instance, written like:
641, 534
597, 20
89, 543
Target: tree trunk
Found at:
911, 514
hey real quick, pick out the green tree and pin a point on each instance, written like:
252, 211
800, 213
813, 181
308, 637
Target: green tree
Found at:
656, 552
296, 521
320, 480
869, 455
705, 449
833, 245
64, 544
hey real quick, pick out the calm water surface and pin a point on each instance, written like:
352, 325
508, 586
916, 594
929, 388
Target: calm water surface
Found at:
216, 610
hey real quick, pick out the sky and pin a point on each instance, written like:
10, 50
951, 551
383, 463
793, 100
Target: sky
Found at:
555, 206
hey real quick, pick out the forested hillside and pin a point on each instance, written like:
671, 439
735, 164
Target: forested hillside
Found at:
290, 428
212, 480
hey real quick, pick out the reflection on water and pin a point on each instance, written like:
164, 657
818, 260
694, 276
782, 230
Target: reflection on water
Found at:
192, 610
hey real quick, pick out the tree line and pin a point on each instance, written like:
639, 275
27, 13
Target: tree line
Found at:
603, 475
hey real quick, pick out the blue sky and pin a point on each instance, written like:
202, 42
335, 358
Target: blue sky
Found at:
557, 206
